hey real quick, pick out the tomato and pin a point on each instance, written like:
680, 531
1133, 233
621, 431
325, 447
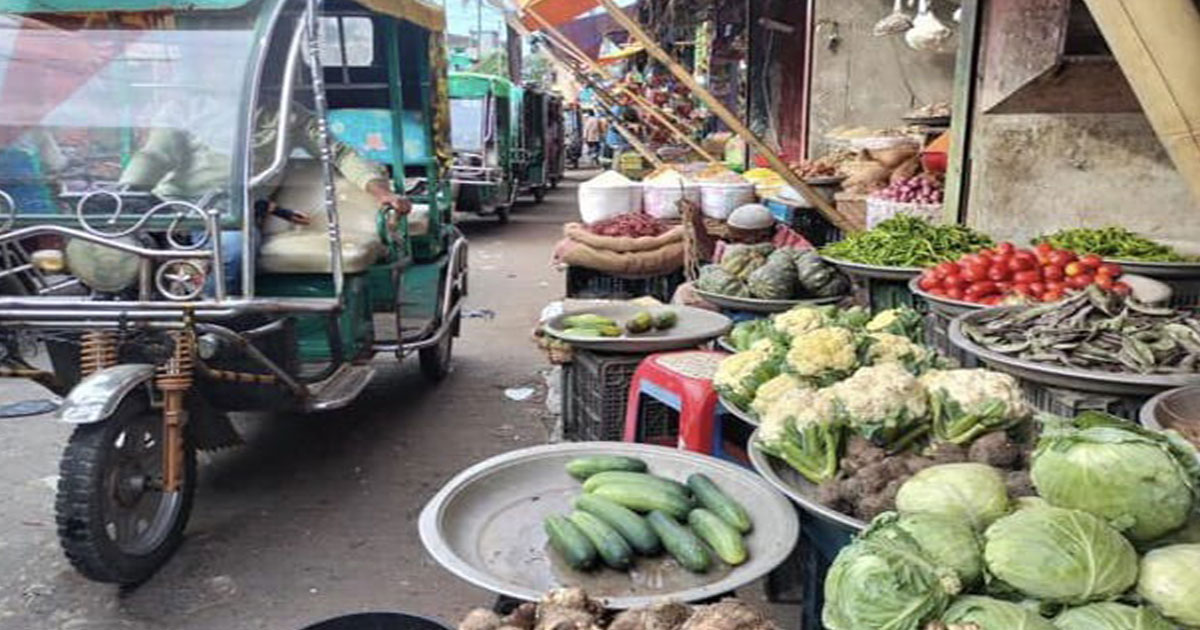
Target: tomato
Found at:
1056, 285
1113, 269
1044, 249
1022, 288
1061, 257
999, 272
945, 269
1004, 286
1022, 261
1104, 281
968, 259
974, 272
954, 281
1091, 261
1052, 296
1075, 268
1038, 288
1053, 272
1006, 248
992, 300
986, 251
937, 291
929, 281
982, 288
985, 258
1121, 288
1080, 281
1027, 277
955, 293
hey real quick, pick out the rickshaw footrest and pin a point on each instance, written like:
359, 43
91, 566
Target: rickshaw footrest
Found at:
341, 388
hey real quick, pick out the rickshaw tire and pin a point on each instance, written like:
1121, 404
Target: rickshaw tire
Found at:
80, 525
435, 360
539, 194
502, 213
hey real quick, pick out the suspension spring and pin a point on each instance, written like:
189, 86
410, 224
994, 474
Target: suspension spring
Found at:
174, 378
97, 351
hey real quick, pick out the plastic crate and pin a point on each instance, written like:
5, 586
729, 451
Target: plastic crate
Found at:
595, 388
937, 336
801, 578
1069, 402
587, 283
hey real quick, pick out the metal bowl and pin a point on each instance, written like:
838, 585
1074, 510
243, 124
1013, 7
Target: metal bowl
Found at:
943, 305
694, 327
726, 344
1166, 409
1095, 381
1177, 270
485, 526
1147, 290
798, 489
744, 415
874, 272
756, 305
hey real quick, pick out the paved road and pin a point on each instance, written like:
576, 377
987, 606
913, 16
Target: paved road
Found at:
315, 516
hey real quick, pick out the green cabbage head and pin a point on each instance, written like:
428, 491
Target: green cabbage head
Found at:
885, 580
1059, 555
1141, 481
1111, 616
986, 613
949, 542
972, 493
1170, 581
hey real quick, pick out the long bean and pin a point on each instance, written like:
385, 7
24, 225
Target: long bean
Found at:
905, 241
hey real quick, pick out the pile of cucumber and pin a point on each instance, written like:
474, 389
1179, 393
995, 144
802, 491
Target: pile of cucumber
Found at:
625, 510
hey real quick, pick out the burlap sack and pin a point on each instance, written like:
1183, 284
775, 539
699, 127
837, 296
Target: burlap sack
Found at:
665, 259
577, 232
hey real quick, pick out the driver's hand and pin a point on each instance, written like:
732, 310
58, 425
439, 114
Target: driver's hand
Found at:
385, 196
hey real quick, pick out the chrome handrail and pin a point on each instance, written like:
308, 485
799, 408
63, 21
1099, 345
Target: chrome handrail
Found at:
285, 110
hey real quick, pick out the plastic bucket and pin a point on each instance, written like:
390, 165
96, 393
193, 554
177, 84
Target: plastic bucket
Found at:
718, 200
660, 201
597, 203
379, 621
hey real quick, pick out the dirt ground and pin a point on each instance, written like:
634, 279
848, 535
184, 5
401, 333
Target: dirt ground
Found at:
315, 516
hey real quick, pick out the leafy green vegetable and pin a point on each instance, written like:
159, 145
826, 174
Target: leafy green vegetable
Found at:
745, 333
1112, 242
993, 614
885, 580
1111, 616
1059, 555
948, 541
1170, 581
1142, 482
973, 493
906, 241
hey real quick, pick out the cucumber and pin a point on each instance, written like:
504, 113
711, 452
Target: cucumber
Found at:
570, 543
631, 526
644, 498
584, 467
719, 535
624, 476
682, 544
711, 497
613, 549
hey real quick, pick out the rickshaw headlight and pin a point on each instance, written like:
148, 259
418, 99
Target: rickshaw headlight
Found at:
103, 268
208, 346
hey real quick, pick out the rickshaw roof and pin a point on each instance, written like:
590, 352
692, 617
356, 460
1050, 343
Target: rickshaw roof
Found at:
419, 12
477, 85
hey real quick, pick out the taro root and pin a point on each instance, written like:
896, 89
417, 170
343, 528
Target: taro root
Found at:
995, 449
658, 616
730, 614
567, 609
522, 617
480, 619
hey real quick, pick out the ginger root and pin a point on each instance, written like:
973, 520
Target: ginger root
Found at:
730, 614
658, 616
480, 619
567, 609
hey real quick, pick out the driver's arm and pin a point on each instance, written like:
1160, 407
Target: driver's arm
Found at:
164, 151
359, 171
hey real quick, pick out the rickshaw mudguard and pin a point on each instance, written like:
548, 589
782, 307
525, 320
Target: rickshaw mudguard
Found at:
96, 397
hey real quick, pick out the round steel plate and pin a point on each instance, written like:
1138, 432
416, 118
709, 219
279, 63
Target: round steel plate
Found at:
485, 526
756, 305
1181, 270
694, 327
724, 343
741, 414
1148, 290
798, 489
1183, 402
875, 272
943, 305
1113, 383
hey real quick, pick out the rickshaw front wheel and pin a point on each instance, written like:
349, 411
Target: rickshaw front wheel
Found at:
539, 194
115, 523
435, 360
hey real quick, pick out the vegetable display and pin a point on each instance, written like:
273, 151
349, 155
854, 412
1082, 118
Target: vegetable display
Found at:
906, 241
592, 325
607, 525
629, 224
764, 272
1095, 330
1005, 274
1169, 580
916, 189
1111, 616
969, 493
1112, 242
975, 611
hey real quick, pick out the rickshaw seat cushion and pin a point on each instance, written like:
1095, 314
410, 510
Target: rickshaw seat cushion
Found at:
418, 220
308, 252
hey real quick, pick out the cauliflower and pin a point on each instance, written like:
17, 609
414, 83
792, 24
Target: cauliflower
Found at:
897, 321
823, 355
801, 428
889, 348
968, 403
774, 389
739, 376
884, 403
800, 320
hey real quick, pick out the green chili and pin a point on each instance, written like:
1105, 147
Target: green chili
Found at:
905, 241
1112, 242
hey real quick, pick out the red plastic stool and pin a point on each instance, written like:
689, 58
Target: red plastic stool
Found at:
683, 382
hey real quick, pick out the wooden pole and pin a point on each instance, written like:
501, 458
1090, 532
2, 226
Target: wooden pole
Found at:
646, 106
718, 108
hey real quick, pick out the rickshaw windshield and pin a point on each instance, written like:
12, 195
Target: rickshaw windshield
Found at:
467, 117
149, 103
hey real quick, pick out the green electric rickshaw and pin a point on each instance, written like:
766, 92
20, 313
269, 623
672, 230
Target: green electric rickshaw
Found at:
257, 273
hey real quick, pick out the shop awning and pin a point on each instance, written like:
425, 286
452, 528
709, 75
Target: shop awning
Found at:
622, 54
555, 12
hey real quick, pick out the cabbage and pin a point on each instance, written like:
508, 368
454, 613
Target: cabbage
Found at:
1170, 581
972, 493
1110, 616
994, 614
1141, 481
1060, 555
884, 579
948, 542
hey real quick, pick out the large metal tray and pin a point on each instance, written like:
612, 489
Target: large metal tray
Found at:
943, 305
1179, 270
1146, 289
874, 272
485, 526
756, 305
694, 327
741, 414
1095, 381
798, 489
724, 343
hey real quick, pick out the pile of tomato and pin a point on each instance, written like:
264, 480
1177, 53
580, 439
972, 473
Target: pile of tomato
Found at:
1041, 274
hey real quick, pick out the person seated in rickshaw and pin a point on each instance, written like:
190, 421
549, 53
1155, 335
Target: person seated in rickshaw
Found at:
176, 163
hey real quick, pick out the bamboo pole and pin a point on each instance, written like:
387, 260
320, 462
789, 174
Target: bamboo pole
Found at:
726, 116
